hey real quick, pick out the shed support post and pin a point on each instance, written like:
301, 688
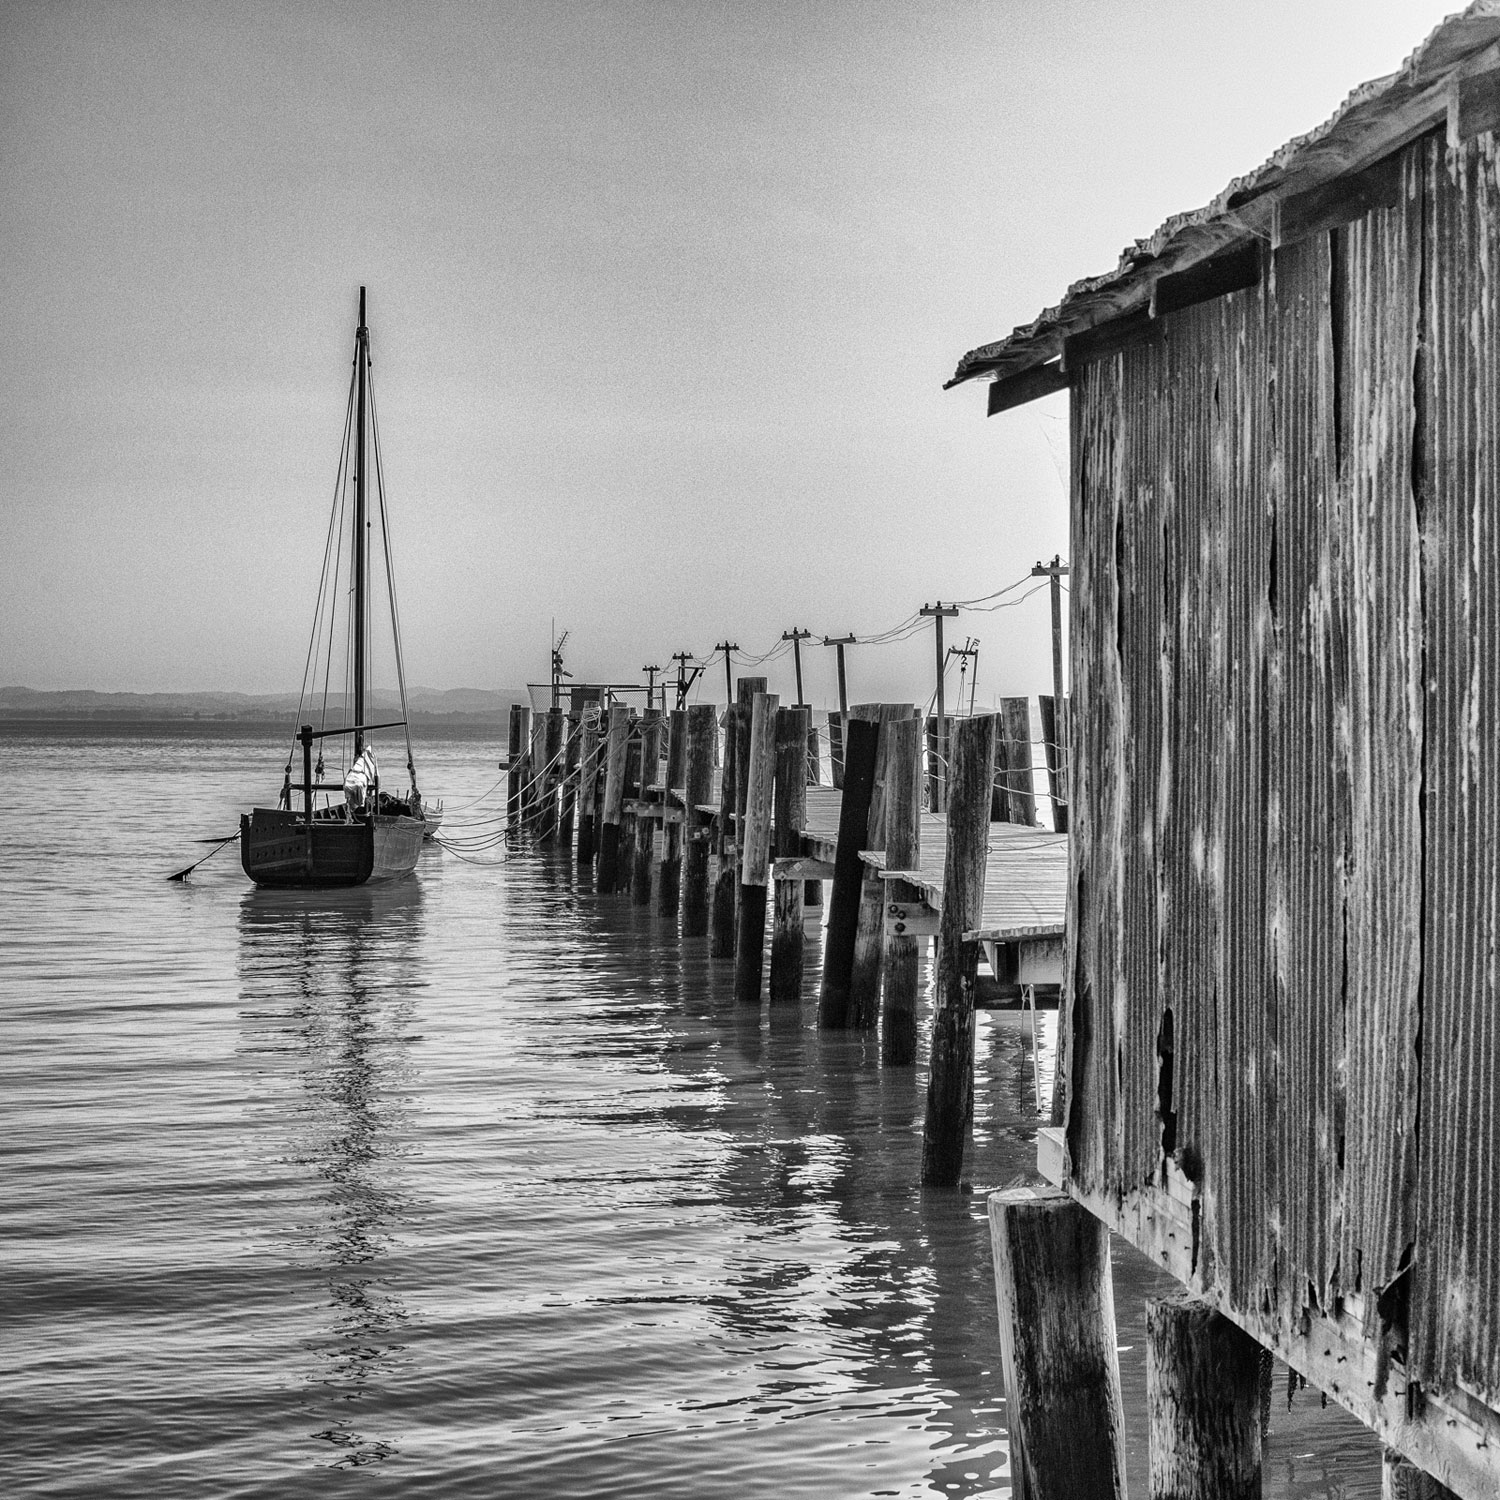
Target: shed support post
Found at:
1202, 1403
1058, 1354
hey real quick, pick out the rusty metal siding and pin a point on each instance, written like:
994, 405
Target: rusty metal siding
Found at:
1456, 1284
1286, 520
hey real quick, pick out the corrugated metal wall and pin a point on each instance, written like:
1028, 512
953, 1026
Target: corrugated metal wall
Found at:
1286, 533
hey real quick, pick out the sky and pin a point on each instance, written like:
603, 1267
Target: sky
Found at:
662, 297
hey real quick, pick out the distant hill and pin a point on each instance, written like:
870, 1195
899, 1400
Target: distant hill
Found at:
449, 704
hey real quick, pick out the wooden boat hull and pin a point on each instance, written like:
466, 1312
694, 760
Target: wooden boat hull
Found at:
277, 848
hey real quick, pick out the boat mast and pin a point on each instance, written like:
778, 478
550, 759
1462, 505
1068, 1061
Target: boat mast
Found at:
361, 360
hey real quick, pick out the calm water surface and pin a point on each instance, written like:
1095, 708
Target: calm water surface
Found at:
481, 1184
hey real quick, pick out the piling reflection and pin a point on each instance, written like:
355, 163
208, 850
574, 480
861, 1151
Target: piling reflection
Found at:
327, 984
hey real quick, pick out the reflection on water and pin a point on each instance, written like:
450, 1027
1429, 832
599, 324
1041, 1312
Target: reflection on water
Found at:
481, 1180
327, 985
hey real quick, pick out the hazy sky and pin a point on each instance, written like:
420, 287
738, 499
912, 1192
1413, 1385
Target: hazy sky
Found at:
662, 297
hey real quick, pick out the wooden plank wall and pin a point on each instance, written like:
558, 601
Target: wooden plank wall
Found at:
1283, 904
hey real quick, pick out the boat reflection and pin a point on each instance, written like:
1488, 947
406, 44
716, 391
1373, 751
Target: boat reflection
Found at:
328, 983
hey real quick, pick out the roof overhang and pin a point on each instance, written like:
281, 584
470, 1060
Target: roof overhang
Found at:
1328, 177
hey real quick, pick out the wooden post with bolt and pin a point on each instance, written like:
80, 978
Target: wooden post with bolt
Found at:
903, 832
698, 834
755, 867
787, 936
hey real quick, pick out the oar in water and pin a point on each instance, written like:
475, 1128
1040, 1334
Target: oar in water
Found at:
183, 874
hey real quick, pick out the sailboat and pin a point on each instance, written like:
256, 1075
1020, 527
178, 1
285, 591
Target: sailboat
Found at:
366, 832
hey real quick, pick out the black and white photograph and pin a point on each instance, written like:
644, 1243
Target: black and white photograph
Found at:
750, 749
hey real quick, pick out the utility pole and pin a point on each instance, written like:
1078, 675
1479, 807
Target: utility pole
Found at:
684, 682
1056, 570
728, 647
939, 613
841, 641
796, 637
969, 648
651, 688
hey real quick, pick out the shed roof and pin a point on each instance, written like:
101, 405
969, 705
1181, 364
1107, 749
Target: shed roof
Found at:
1454, 76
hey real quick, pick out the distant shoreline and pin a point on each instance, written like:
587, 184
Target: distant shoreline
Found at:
465, 726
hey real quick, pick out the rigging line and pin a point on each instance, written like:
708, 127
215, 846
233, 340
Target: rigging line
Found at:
338, 558
390, 581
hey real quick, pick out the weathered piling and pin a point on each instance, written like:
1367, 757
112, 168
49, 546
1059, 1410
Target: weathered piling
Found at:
698, 834
903, 831
787, 937
939, 748
633, 746
864, 978
950, 1078
1013, 762
745, 690
588, 788
614, 797
860, 743
573, 732
726, 882
1054, 719
536, 770
812, 890
551, 776
515, 765
674, 820
1202, 1403
755, 864
1058, 1354
645, 824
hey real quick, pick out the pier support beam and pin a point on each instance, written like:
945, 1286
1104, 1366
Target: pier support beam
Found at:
1057, 1347
700, 786
726, 883
614, 797
950, 1078
787, 936
588, 789
669, 883
645, 824
859, 746
551, 774
572, 731
1202, 1402
515, 766
903, 832
755, 868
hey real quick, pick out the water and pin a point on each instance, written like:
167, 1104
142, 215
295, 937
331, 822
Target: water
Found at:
480, 1183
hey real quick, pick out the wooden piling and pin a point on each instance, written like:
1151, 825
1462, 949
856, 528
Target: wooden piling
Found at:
812, 890
755, 867
573, 732
536, 767
515, 767
787, 937
588, 789
1013, 756
645, 825
614, 797
1058, 1356
551, 775
726, 882
745, 690
698, 835
1202, 1403
950, 1078
1054, 741
903, 832
864, 978
860, 744
836, 747
674, 820
632, 793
